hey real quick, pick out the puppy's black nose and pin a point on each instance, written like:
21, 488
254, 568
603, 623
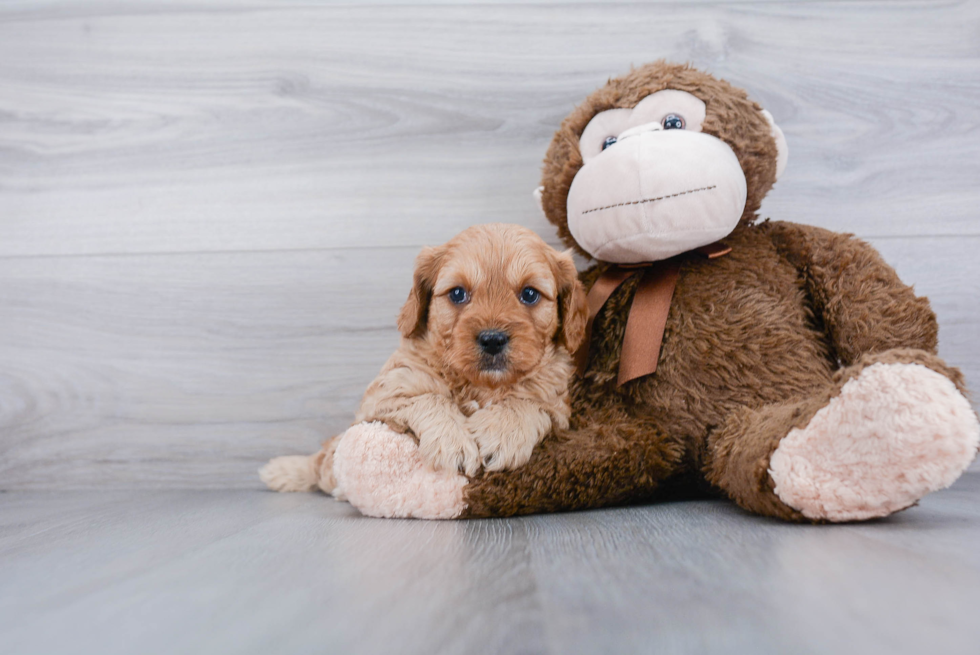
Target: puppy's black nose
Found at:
492, 341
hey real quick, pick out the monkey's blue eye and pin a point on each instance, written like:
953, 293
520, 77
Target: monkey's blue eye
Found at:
673, 122
530, 296
458, 295
608, 142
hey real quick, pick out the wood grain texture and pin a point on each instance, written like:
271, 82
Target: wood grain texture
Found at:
209, 210
257, 572
192, 370
716, 581
186, 370
212, 127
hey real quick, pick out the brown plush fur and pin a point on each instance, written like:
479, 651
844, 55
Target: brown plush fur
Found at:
756, 342
465, 408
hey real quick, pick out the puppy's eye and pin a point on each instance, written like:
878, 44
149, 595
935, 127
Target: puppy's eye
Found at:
530, 296
610, 140
458, 295
673, 122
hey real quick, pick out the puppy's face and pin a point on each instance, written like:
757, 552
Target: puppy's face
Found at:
494, 302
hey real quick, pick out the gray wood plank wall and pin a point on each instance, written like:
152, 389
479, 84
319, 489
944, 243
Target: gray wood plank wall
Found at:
209, 209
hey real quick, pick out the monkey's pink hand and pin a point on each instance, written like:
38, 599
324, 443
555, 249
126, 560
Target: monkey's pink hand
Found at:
381, 473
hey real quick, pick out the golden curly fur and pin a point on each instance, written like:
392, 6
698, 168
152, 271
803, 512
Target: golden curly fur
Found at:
471, 402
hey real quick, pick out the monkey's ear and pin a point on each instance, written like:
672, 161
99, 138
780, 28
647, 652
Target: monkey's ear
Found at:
414, 316
537, 198
782, 150
573, 308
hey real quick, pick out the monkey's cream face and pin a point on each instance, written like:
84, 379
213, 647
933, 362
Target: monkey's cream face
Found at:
652, 184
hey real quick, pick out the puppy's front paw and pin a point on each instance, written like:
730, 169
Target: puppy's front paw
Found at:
451, 450
507, 439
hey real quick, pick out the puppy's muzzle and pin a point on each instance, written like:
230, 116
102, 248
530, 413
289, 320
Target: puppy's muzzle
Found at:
492, 342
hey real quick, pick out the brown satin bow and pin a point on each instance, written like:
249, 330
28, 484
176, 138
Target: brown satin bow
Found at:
648, 313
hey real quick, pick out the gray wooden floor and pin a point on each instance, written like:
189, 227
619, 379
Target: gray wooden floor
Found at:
255, 572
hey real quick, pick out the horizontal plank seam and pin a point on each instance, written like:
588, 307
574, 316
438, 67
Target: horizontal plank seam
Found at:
99, 10
419, 246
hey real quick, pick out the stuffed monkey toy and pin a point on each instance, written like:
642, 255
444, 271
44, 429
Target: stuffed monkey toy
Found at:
782, 366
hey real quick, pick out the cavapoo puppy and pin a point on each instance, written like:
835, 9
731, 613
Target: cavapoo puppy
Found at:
482, 371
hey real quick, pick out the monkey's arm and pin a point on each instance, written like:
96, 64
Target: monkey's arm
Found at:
862, 304
608, 458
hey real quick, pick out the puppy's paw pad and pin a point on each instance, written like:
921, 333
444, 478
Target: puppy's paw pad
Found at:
894, 434
289, 473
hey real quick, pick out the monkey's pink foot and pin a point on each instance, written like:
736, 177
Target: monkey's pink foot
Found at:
895, 433
380, 472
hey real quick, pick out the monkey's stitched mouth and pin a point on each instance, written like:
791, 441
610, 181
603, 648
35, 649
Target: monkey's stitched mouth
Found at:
646, 200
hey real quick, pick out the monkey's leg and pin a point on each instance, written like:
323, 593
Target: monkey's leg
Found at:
885, 432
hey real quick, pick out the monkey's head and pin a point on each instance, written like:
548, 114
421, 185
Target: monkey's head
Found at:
660, 161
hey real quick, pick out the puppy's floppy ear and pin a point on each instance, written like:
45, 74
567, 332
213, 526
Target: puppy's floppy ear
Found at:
573, 308
414, 315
